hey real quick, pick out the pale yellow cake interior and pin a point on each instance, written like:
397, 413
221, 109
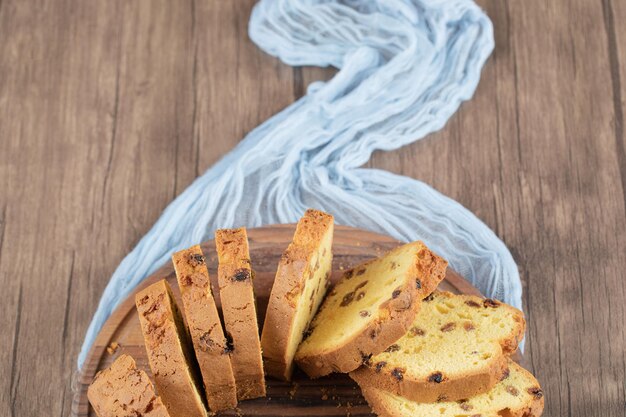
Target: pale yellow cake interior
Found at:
354, 303
313, 293
454, 335
515, 392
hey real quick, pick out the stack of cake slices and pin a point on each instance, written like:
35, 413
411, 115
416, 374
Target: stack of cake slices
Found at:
413, 350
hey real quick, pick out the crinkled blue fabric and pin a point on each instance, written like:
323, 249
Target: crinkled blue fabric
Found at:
405, 66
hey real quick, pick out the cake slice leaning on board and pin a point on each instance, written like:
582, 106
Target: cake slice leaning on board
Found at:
518, 394
169, 353
205, 328
235, 277
124, 390
301, 281
371, 307
458, 346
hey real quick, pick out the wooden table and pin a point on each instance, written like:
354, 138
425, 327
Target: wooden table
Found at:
108, 110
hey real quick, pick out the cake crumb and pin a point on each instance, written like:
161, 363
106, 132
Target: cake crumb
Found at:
293, 390
112, 348
348, 407
324, 394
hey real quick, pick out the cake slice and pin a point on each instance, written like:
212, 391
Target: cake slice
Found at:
301, 281
517, 395
235, 278
124, 390
205, 328
371, 307
169, 352
457, 347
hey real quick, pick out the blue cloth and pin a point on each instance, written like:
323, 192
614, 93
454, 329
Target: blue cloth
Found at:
405, 66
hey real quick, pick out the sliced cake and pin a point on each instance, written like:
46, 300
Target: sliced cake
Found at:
301, 281
205, 327
518, 394
372, 306
457, 347
169, 352
235, 278
124, 390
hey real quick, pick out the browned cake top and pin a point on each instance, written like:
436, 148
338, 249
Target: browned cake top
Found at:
122, 389
169, 351
210, 345
235, 278
302, 278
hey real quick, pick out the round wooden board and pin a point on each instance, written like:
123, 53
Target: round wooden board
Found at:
336, 395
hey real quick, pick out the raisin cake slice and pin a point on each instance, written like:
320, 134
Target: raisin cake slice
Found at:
371, 307
518, 394
124, 390
457, 347
205, 328
169, 352
301, 281
235, 278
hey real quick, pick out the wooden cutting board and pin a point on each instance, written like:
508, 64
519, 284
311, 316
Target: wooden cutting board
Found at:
336, 395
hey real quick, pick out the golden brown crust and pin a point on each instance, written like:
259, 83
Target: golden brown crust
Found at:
428, 392
385, 376
533, 407
235, 278
169, 351
205, 327
396, 316
291, 277
122, 389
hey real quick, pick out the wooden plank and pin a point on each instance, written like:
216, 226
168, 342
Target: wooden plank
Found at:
102, 106
238, 85
55, 115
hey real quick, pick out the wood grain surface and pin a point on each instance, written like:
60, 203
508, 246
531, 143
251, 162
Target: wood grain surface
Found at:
336, 395
109, 109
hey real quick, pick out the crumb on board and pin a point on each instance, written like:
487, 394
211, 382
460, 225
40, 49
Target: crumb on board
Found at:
112, 348
324, 393
293, 390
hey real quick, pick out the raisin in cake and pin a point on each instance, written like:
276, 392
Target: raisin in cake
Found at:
518, 394
169, 352
371, 307
457, 347
205, 328
124, 390
301, 281
235, 278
